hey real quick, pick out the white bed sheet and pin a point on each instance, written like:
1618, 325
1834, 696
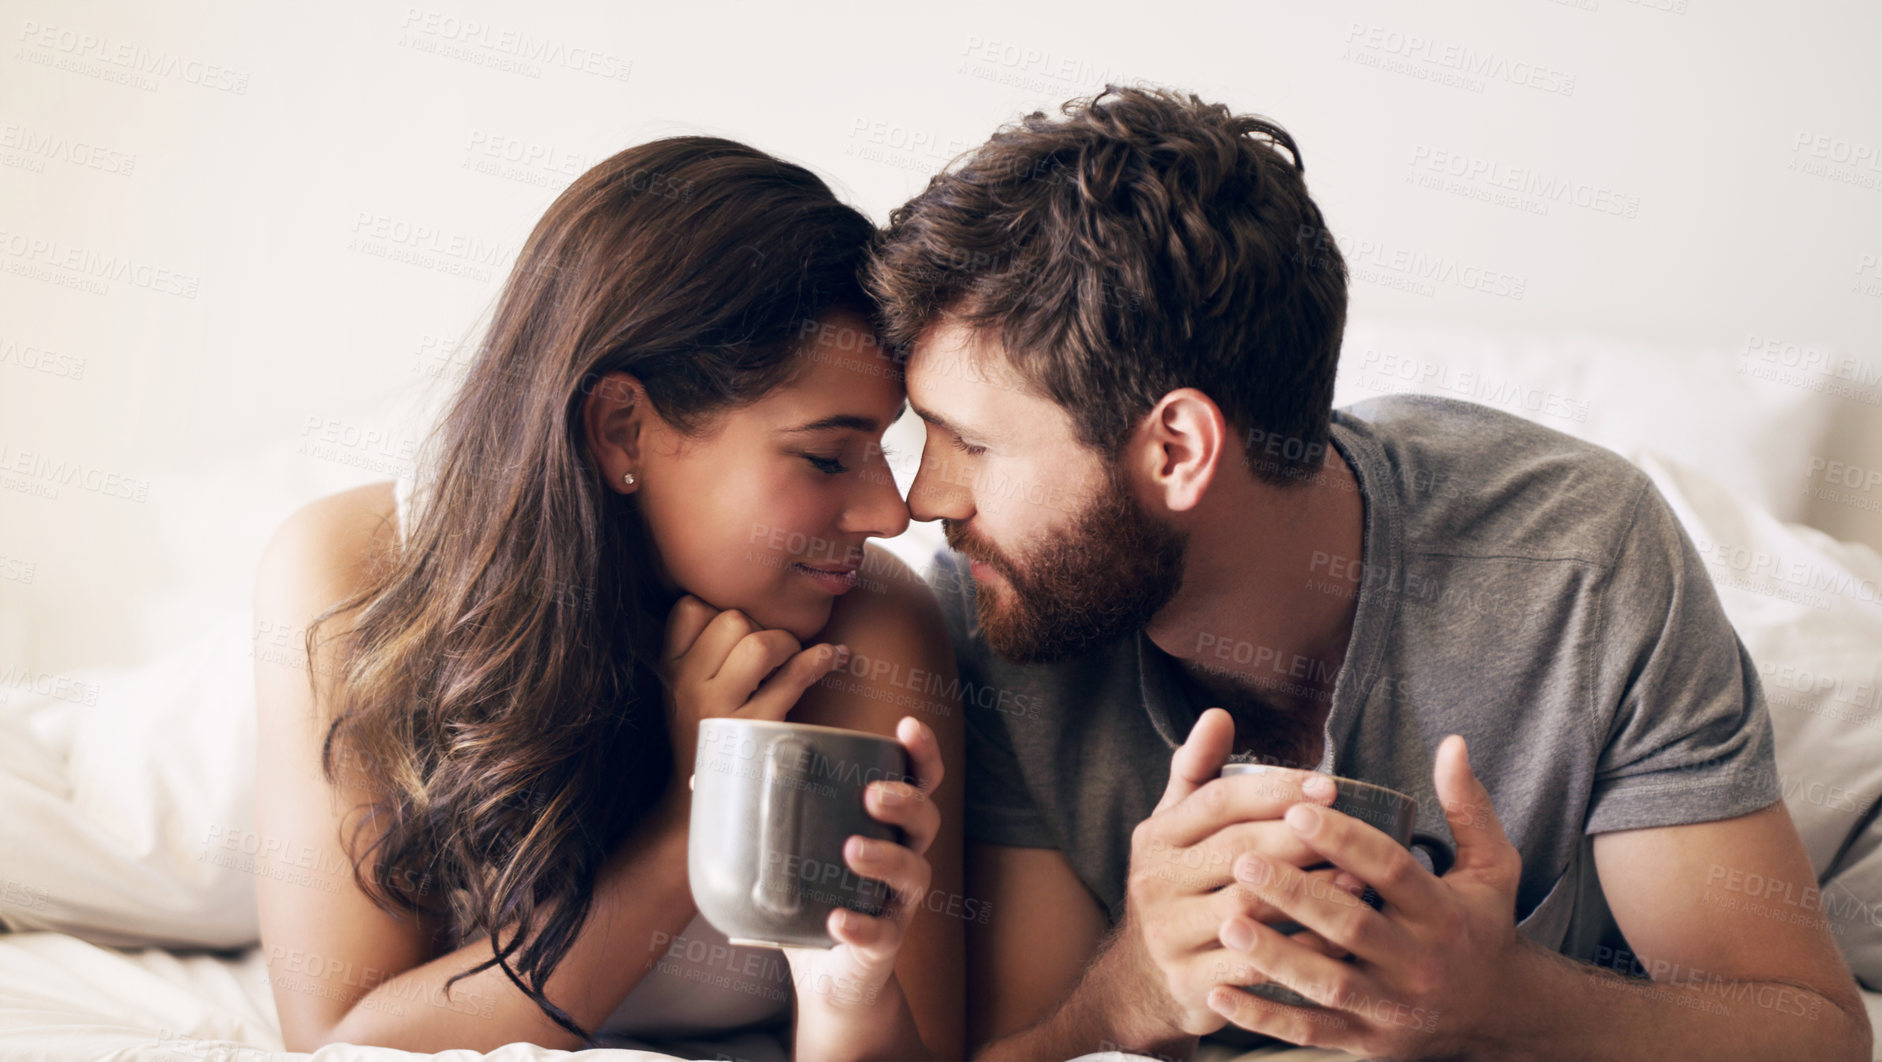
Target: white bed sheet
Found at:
63, 998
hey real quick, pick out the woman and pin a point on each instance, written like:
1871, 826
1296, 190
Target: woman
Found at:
651, 492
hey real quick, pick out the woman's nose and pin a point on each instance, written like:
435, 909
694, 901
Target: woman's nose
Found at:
881, 510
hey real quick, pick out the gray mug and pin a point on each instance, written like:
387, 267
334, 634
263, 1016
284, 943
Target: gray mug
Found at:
773, 803
1392, 812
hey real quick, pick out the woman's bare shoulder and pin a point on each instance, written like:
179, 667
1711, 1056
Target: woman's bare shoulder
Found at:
339, 529
324, 553
889, 599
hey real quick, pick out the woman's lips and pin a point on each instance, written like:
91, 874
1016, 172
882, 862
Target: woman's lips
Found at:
835, 580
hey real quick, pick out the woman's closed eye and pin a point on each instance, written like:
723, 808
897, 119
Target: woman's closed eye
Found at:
833, 466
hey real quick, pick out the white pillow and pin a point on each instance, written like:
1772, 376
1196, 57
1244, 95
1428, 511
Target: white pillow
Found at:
128, 798
1809, 610
1693, 404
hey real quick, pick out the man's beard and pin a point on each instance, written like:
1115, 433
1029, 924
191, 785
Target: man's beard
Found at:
1103, 578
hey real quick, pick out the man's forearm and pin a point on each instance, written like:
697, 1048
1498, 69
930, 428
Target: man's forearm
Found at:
1573, 1010
1094, 1016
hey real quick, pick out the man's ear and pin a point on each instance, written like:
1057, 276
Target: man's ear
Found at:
614, 413
1182, 440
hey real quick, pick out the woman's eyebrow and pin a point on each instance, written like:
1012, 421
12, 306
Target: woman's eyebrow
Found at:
838, 420
848, 420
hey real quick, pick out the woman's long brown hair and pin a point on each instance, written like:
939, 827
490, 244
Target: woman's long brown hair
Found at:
498, 684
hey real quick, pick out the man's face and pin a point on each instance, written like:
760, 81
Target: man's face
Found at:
1065, 556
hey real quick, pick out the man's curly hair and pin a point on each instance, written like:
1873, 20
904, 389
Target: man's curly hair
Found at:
1143, 242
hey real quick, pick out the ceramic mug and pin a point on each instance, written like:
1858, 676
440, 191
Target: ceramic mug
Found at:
773, 803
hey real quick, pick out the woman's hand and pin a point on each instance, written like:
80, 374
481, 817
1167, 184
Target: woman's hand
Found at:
849, 1004
715, 664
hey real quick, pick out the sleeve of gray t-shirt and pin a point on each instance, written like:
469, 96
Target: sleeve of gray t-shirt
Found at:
998, 809
1687, 737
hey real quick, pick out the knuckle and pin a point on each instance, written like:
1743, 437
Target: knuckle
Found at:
1137, 880
1285, 882
1399, 869
1212, 796
1341, 989
1352, 928
1143, 837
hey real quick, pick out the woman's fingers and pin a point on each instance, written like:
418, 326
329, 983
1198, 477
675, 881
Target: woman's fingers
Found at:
904, 871
878, 935
780, 692
755, 656
703, 659
923, 750
684, 625
901, 804
875, 940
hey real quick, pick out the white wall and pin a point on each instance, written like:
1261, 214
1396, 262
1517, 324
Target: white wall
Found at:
258, 167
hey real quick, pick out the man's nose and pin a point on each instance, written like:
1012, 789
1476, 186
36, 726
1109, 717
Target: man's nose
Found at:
935, 494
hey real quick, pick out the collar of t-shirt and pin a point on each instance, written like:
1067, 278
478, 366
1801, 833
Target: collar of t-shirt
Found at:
1173, 713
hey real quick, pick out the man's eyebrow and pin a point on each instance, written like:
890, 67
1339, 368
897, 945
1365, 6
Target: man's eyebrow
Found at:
937, 420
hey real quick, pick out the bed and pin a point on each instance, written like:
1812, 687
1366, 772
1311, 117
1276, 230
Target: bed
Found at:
126, 789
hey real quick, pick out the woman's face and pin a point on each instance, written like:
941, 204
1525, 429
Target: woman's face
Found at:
767, 510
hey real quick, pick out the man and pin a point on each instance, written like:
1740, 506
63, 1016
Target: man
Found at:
1122, 327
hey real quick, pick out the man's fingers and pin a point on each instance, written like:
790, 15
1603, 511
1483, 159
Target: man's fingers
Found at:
1238, 899
780, 692
1200, 757
1271, 838
1209, 864
1481, 842
1240, 798
1368, 854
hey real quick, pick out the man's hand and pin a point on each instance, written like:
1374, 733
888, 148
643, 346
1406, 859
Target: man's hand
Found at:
1168, 955
1429, 971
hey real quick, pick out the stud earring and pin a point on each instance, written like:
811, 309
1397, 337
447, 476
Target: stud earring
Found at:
627, 478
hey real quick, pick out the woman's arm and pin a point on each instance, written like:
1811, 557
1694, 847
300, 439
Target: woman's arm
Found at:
342, 969
902, 663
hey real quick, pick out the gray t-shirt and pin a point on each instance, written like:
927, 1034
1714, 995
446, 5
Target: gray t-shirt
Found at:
1529, 591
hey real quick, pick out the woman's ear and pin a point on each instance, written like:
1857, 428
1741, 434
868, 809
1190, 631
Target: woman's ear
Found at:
1182, 444
614, 413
